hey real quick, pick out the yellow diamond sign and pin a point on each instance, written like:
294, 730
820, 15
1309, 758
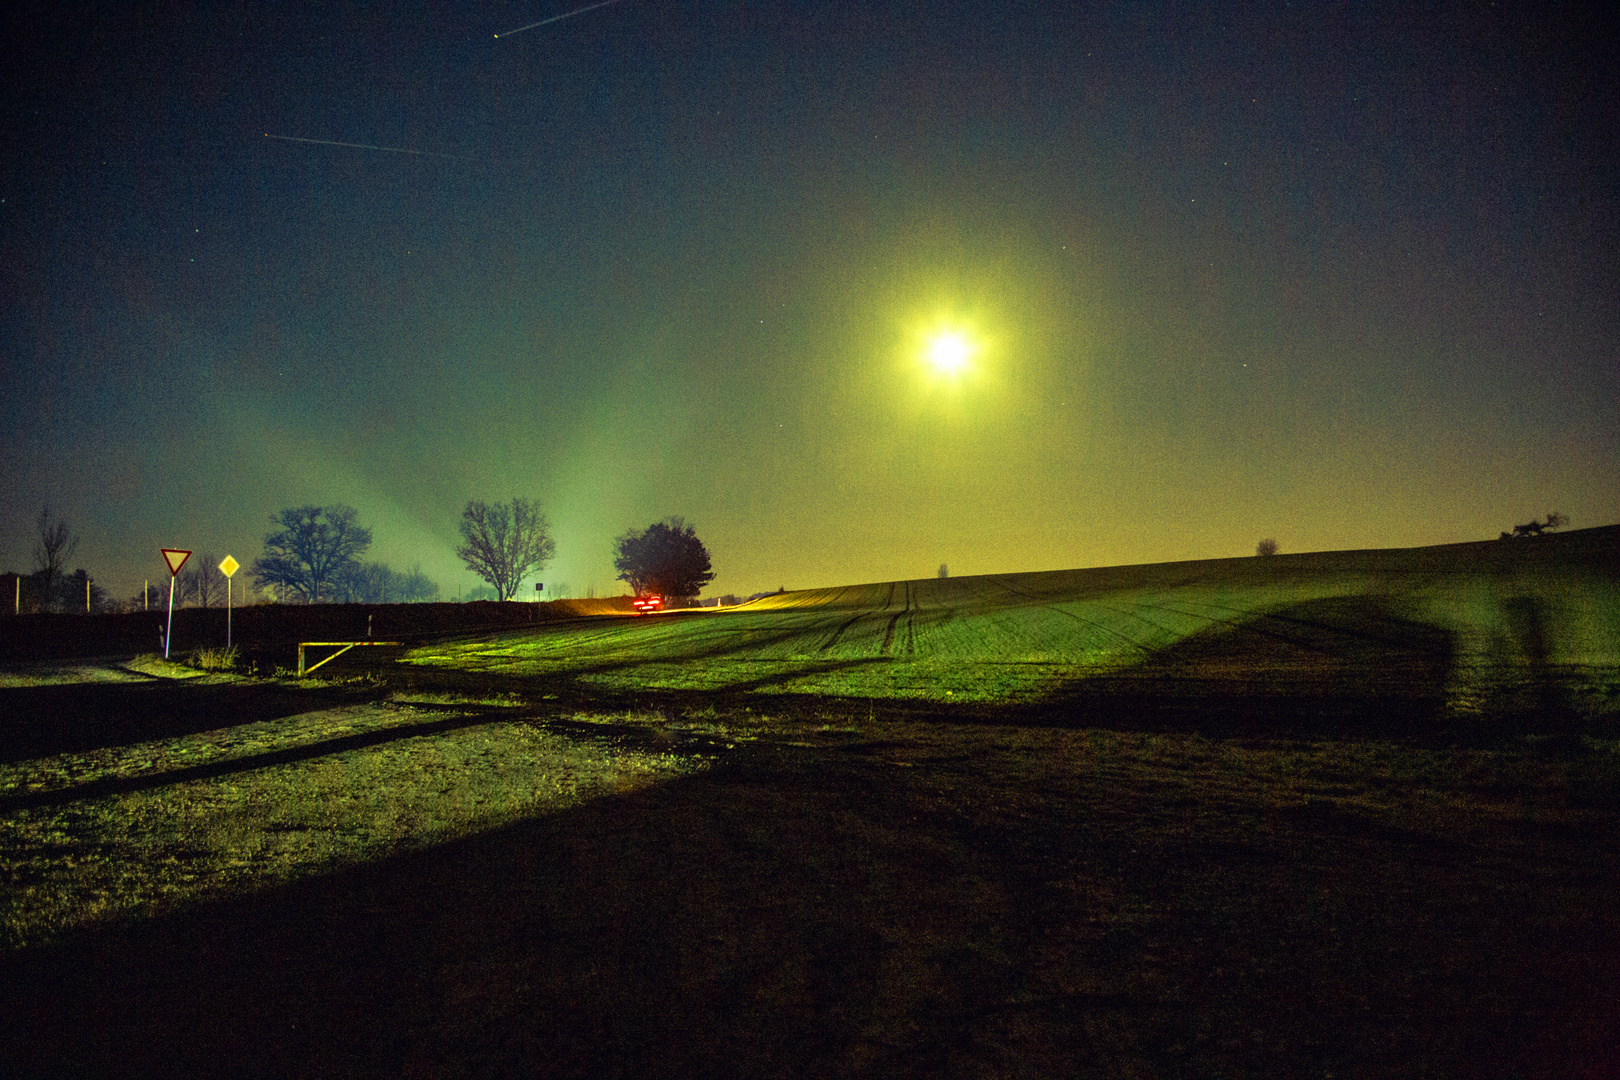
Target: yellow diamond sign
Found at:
176, 558
229, 566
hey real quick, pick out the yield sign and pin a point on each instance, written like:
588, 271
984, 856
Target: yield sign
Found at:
176, 558
228, 566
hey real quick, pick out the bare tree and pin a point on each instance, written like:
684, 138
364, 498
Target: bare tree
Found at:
209, 580
196, 582
53, 546
415, 587
365, 583
944, 571
1266, 547
379, 583
313, 548
505, 542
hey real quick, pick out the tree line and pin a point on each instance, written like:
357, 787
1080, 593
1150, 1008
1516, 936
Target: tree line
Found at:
316, 548
314, 554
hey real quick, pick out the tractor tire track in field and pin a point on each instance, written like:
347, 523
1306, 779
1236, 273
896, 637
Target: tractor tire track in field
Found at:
1130, 642
910, 645
838, 633
911, 624
888, 634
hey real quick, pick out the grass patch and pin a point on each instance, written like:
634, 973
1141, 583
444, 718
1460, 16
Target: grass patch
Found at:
131, 831
213, 659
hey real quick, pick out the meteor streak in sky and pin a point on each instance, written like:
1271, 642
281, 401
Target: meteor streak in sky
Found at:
365, 146
559, 18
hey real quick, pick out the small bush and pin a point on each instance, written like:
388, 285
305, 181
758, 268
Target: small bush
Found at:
1266, 547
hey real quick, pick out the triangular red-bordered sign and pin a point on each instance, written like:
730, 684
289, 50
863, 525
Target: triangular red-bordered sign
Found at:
176, 558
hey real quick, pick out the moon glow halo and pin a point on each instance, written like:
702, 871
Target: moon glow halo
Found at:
949, 352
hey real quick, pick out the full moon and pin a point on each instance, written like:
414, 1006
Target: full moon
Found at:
949, 353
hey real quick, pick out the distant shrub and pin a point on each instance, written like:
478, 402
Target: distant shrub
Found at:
1266, 547
1555, 520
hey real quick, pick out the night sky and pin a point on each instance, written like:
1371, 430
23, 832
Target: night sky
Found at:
1343, 275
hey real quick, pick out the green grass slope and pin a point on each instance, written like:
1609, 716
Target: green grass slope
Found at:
1517, 625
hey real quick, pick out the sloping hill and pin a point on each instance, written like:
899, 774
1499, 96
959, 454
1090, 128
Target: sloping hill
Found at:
1472, 626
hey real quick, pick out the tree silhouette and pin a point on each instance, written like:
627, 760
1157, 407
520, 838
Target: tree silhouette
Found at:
1555, 520
1266, 547
666, 559
197, 583
313, 548
504, 543
54, 543
379, 583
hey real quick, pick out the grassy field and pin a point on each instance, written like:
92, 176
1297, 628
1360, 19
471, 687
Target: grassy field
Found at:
1494, 625
1331, 815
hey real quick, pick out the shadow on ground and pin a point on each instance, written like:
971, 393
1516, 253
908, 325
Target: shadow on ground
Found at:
214, 770
37, 721
1344, 667
803, 913
1352, 667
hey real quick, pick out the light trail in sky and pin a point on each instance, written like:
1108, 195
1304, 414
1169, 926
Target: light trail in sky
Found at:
559, 18
364, 146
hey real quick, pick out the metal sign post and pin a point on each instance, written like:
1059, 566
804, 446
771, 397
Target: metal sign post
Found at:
176, 558
228, 566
